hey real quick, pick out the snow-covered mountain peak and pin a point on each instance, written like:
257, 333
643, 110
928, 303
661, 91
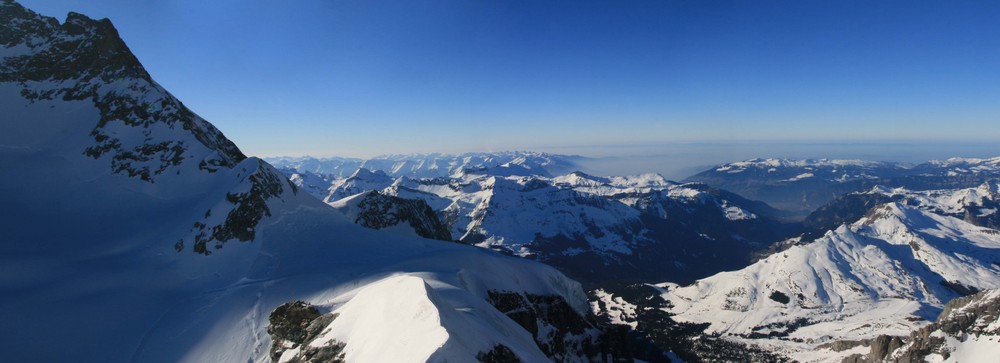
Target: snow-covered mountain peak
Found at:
365, 174
141, 130
980, 201
609, 186
772, 163
401, 318
888, 273
580, 179
957, 161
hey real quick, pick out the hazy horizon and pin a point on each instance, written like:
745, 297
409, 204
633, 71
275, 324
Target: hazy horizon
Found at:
676, 161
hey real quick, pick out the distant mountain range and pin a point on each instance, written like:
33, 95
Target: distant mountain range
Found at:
801, 186
635, 228
429, 166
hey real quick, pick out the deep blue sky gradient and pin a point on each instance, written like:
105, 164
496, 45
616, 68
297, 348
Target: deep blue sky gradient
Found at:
359, 78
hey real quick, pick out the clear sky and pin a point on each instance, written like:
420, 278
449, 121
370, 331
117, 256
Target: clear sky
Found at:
360, 78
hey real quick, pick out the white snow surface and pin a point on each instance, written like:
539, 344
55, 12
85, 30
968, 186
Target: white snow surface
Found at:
947, 201
401, 318
801, 176
959, 165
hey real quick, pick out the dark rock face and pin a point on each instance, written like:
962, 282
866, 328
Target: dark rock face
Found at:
293, 325
245, 210
962, 319
289, 321
656, 332
142, 132
379, 211
562, 333
780, 297
499, 354
86, 59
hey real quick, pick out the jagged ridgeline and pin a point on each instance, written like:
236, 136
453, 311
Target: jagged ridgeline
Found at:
122, 212
141, 130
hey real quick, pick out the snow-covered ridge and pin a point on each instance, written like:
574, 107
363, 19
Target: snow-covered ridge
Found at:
993, 162
403, 319
767, 164
981, 201
888, 273
802, 186
977, 205
845, 170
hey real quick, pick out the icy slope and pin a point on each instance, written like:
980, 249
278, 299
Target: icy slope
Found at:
135, 231
888, 273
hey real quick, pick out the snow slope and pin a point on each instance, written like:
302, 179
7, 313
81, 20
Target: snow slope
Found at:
968, 330
135, 231
888, 273
977, 205
394, 314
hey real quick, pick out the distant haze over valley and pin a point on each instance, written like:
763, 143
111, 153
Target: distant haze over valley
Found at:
679, 160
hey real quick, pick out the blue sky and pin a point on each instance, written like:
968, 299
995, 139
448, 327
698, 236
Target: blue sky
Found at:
360, 78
